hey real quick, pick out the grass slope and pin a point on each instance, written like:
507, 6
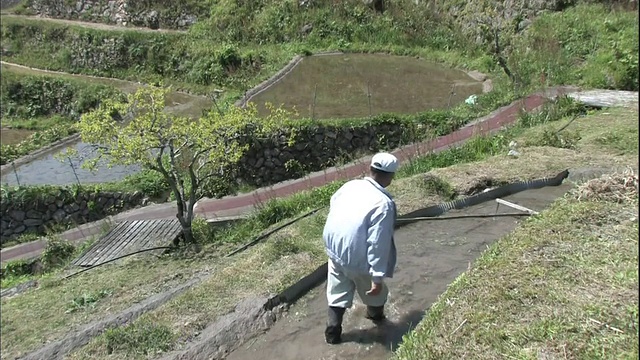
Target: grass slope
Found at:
562, 286
283, 258
245, 43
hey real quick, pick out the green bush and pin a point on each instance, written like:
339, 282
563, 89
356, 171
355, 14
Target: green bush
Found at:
202, 231
56, 253
585, 45
28, 96
151, 183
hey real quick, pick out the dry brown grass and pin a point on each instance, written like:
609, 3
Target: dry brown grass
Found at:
616, 187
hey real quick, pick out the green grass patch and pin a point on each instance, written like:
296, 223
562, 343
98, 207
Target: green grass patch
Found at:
564, 285
36, 141
588, 45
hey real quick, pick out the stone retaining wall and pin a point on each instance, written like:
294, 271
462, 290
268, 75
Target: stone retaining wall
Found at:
64, 208
120, 12
318, 147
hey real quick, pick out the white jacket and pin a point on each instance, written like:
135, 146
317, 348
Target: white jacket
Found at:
358, 234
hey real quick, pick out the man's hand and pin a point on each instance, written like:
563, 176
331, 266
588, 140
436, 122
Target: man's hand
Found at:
375, 289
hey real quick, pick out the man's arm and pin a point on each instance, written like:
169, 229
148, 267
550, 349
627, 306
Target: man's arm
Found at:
379, 239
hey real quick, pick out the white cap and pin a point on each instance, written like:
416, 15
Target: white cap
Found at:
384, 162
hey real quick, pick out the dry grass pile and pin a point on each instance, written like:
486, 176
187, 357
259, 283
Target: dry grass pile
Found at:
616, 187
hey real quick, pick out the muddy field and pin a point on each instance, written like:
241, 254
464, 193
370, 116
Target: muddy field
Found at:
431, 254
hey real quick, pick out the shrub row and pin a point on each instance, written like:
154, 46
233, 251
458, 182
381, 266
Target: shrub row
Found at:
28, 96
147, 57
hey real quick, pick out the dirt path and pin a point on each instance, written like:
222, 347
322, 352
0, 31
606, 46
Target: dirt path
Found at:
431, 254
91, 25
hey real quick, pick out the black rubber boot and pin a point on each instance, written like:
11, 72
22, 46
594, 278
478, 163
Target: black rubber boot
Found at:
375, 313
333, 332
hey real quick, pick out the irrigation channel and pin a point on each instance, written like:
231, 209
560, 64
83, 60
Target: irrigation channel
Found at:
431, 254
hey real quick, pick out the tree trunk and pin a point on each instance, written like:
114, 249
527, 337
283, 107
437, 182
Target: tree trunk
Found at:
185, 216
187, 233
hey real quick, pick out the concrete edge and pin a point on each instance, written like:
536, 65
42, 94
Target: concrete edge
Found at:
242, 102
7, 168
57, 350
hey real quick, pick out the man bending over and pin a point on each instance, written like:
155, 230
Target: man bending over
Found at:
358, 237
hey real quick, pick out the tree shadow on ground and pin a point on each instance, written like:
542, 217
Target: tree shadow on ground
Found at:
388, 333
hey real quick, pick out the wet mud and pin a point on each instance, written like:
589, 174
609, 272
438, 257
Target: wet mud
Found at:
431, 254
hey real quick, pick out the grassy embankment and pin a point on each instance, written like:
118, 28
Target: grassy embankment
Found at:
293, 252
563, 285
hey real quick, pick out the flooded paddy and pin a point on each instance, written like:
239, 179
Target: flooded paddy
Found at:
357, 85
13, 136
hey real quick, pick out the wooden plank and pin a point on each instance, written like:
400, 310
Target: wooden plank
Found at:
127, 239
105, 243
169, 233
108, 243
78, 261
162, 234
120, 240
516, 206
98, 246
146, 236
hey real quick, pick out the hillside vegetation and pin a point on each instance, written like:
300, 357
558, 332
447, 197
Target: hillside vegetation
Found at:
245, 42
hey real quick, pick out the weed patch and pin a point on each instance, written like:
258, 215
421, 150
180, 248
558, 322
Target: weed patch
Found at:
56, 252
436, 186
550, 137
86, 300
140, 338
